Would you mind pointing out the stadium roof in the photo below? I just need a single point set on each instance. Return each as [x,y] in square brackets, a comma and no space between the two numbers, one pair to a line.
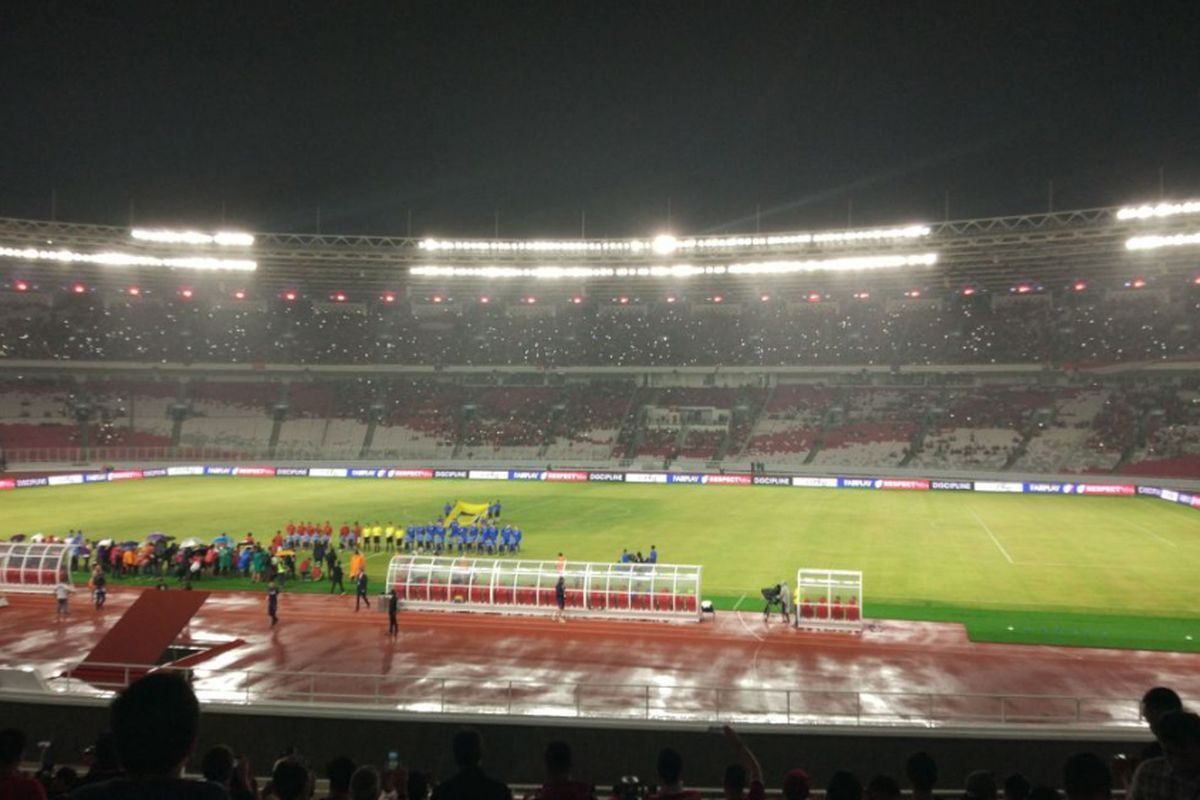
[1104,245]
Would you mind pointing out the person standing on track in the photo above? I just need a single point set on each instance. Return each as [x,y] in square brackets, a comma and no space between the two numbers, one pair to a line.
[560,597]
[273,603]
[393,608]
[99,587]
[360,595]
[62,594]
[335,578]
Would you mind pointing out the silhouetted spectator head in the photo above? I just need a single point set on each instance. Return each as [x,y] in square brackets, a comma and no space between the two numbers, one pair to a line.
[1016,787]
[1086,777]
[339,771]
[883,787]
[290,779]
[154,723]
[1179,733]
[1158,701]
[669,766]
[417,786]
[557,759]
[468,749]
[12,746]
[217,765]
[843,786]
[921,771]
[64,781]
[364,784]
[796,785]
[981,785]
[734,782]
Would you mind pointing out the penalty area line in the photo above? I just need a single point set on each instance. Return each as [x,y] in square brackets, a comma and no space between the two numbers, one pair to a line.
[739,602]
[995,541]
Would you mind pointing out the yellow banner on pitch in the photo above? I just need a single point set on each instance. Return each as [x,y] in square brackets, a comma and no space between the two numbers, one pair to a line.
[470,511]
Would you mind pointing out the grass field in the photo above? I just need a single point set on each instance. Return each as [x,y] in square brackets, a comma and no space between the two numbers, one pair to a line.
[1097,571]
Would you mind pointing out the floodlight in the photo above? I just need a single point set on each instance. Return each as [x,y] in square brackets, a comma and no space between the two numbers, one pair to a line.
[1159,211]
[222,238]
[1156,242]
[128,260]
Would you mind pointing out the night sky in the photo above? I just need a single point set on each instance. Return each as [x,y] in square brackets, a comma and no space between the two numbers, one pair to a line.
[450,111]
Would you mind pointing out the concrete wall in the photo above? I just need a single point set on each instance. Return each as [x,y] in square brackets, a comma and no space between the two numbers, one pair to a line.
[602,753]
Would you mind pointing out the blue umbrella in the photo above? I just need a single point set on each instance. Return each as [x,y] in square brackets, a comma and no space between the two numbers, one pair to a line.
[222,539]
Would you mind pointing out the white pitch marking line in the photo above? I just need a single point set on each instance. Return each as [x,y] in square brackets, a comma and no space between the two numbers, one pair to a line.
[747,627]
[994,539]
[1162,539]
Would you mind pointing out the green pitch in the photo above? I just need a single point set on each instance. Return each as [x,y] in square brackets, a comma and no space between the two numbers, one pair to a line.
[1096,571]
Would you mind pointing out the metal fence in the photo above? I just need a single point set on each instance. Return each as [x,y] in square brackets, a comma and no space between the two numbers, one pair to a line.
[639,702]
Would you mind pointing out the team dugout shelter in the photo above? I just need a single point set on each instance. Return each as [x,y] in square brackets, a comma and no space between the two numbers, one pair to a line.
[667,592]
[33,567]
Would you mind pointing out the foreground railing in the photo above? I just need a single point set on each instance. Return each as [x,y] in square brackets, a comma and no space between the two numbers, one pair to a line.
[613,701]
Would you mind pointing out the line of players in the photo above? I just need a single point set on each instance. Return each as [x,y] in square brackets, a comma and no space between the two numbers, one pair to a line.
[487,537]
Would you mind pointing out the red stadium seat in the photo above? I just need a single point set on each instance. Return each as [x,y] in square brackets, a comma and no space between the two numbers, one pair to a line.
[597,600]
[691,602]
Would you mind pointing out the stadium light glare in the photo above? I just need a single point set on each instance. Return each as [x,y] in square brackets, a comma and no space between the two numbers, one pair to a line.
[485,300]
[814,297]
[437,298]
[204,263]
[388,297]
[134,291]
[21,286]
[239,295]
[664,244]
[718,298]
[862,295]
[1079,286]
[1136,283]
[290,296]
[671,298]
[79,288]
[339,297]
[186,293]
[577,300]
[766,298]
[1159,211]
[165,236]
[846,264]
[1158,242]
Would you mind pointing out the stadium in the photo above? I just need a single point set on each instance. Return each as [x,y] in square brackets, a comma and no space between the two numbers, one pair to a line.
[992,423]
[755,446]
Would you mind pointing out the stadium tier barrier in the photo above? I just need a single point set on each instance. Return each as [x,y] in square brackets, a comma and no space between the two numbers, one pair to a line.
[33,567]
[657,591]
[1102,489]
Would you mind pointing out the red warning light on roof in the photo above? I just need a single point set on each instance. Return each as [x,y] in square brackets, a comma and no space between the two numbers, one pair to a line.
[577,300]
[913,293]
[766,298]
[623,300]
[79,288]
[186,293]
[239,295]
[339,297]
[862,295]
[389,297]
[289,296]
[135,291]
[530,300]
[21,286]
[485,300]
[718,298]
[1078,286]
[814,297]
